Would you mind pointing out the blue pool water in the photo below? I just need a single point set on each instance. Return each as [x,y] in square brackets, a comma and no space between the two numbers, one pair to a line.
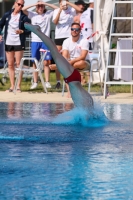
[51,152]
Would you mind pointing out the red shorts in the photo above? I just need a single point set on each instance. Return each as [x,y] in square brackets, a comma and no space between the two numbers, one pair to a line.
[75,76]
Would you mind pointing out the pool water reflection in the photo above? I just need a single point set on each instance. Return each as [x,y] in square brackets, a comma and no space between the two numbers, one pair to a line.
[42,160]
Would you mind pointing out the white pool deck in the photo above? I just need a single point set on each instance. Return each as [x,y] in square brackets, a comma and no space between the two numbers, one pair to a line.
[56,97]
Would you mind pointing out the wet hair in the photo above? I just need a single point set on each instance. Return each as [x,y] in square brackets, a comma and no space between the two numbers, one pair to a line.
[75,23]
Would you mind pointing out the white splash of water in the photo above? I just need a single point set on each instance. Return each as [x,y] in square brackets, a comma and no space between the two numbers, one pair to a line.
[93,118]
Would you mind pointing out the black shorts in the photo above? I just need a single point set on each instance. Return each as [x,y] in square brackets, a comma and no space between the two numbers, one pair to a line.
[14,48]
[90,46]
[59,41]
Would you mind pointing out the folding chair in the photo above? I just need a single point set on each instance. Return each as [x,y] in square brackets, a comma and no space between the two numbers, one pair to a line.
[39,67]
[95,62]
[4,71]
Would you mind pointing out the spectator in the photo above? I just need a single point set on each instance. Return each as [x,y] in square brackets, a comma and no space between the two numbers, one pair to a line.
[86,22]
[75,49]
[14,36]
[63,18]
[81,5]
[41,18]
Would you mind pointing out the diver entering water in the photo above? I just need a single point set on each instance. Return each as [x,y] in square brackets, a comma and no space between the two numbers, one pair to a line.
[81,97]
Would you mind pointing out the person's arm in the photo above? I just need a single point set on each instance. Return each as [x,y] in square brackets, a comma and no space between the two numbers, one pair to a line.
[65,49]
[65,54]
[81,57]
[26,20]
[56,20]
[27,7]
[77,19]
[74,6]
[22,29]
[50,5]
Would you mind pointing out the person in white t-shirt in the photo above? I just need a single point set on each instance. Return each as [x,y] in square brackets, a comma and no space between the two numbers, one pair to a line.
[86,22]
[42,18]
[75,49]
[81,4]
[63,18]
[14,37]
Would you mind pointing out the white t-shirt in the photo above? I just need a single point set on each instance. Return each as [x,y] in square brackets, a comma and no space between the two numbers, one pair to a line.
[86,25]
[41,20]
[12,37]
[62,29]
[75,48]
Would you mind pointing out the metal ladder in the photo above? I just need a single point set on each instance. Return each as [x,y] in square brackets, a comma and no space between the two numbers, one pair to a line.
[110,50]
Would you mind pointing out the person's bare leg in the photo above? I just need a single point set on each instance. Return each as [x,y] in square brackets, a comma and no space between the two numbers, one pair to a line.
[68,91]
[81,65]
[47,70]
[88,75]
[83,81]
[18,56]
[11,69]
[57,71]
[57,75]
[35,74]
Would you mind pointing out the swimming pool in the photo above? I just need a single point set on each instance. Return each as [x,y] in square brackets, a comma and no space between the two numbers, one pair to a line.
[42,157]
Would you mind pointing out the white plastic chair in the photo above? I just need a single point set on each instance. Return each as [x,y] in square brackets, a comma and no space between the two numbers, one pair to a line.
[95,62]
[27,54]
[39,67]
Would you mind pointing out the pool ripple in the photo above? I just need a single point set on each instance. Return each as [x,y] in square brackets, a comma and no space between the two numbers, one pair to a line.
[42,160]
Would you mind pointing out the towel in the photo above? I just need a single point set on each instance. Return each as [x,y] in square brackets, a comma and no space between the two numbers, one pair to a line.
[123,58]
[95,79]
